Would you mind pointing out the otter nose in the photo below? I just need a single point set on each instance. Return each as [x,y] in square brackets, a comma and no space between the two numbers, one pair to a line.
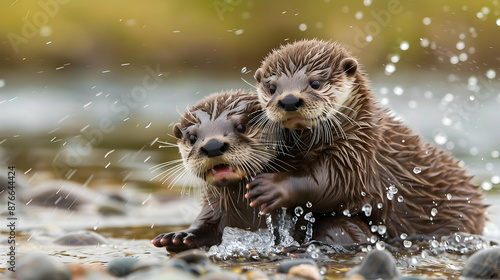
[290,103]
[214,148]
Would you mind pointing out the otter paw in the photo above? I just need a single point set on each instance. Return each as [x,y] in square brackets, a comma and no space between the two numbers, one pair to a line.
[174,241]
[266,193]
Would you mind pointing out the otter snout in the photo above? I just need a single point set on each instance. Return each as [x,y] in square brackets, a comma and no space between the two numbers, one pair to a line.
[290,103]
[214,148]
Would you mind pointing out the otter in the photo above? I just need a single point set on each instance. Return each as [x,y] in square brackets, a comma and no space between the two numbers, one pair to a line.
[221,144]
[353,158]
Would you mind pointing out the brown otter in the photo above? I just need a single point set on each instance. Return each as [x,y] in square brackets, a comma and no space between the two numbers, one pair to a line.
[352,154]
[220,144]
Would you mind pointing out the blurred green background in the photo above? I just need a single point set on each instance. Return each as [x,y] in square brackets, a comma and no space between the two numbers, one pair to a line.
[68,65]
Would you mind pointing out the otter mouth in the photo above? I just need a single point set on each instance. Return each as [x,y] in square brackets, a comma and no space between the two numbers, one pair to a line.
[297,123]
[223,172]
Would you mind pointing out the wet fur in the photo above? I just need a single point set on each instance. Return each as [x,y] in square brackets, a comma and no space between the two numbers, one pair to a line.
[223,204]
[351,146]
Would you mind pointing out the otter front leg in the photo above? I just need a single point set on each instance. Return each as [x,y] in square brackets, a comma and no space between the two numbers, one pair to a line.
[194,237]
[272,191]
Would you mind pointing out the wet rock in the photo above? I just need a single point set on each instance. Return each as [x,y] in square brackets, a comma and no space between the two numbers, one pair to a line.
[193,256]
[111,209]
[91,272]
[221,275]
[38,267]
[122,267]
[304,271]
[256,275]
[484,264]
[285,266]
[377,264]
[81,238]
[162,273]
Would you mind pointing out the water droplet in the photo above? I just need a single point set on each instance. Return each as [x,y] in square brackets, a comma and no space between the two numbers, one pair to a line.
[424,42]
[382,229]
[334,213]
[434,212]
[373,239]
[312,220]
[460,45]
[346,213]
[495,179]
[403,236]
[404,46]
[427,20]
[364,194]
[369,38]
[398,91]
[395,58]
[417,170]
[498,21]
[491,74]
[454,59]
[400,198]
[309,204]
[374,228]
[295,219]
[380,205]
[303,27]
[299,211]
[380,245]
[407,243]
[441,138]
[448,196]
[243,70]
[303,227]
[239,31]
[358,15]
[495,154]
[435,244]
[308,216]
[390,68]
[367,208]
[486,185]
[367,2]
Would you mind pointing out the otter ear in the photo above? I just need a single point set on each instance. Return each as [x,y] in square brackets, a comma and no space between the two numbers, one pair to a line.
[349,65]
[258,75]
[177,131]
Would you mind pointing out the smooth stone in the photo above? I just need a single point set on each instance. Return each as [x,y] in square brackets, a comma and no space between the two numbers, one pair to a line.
[285,266]
[377,264]
[162,273]
[81,238]
[256,275]
[304,271]
[484,264]
[122,267]
[38,267]
[193,256]
[221,275]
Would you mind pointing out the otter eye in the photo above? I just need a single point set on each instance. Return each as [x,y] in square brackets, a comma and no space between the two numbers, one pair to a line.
[192,139]
[241,128]
[315,84]
[272,89]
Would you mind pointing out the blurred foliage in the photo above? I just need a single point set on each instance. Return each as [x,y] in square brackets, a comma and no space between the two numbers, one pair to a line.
[218,36]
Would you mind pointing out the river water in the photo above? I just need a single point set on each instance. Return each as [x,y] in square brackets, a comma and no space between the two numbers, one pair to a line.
[42,127]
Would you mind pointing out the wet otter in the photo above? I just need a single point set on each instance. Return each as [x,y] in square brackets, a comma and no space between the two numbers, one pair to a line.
[353,157]
[220,144]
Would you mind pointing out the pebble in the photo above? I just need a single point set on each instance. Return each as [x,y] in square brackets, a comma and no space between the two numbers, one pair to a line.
[285,266]
[304,271]
[38,267]
[81,238]
[378,264]
[484,264]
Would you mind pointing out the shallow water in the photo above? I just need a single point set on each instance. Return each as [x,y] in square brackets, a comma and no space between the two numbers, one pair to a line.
[119,165]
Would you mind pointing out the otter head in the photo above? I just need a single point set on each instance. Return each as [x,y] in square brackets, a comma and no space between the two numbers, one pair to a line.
[217,140]
[305,84]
